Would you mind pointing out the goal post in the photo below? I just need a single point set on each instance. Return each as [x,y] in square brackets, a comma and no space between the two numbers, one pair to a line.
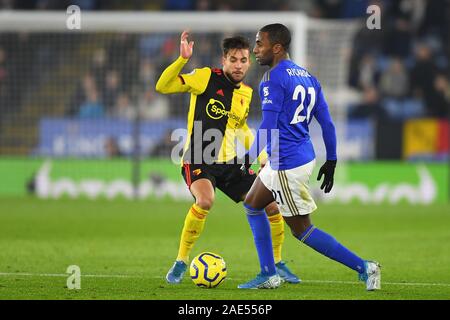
[135,22]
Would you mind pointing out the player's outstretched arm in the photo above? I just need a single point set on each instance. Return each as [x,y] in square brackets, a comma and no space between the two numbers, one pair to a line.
[329,138]
[169,81]
[323,116]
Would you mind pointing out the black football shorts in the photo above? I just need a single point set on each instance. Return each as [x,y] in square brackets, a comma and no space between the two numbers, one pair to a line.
[226,177]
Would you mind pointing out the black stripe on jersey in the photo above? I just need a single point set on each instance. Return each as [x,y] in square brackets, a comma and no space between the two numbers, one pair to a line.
[211,109]
[287,193]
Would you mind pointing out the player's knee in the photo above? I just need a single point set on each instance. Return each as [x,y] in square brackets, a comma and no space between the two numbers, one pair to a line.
[205,203]
[272,209]
[247,202]
[298,224]
[297,230]
[296,233]
[251,200]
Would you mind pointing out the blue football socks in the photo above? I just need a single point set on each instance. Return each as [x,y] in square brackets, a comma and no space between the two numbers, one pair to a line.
[259,223]
[327,245]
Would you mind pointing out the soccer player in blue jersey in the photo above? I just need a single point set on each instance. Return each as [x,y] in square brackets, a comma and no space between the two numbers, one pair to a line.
[290,98]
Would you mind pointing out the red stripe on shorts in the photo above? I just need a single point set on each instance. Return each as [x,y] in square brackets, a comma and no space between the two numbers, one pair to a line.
[187,172]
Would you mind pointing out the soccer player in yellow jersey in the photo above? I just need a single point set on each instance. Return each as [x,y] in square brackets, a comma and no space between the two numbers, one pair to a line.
[220,102]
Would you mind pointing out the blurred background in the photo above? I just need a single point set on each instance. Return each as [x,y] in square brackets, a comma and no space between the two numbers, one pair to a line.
[79,115]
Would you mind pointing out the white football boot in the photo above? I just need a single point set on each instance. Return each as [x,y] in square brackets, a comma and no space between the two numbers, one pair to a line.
[371,275]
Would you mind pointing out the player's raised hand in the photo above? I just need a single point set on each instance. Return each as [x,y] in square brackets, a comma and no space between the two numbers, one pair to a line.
[185,45]
[327,170]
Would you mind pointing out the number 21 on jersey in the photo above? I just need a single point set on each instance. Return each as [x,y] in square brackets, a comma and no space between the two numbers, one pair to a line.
[300,90]
[277,196]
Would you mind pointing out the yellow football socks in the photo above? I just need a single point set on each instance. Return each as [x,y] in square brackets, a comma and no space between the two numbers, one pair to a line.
[277,230]
[193,227]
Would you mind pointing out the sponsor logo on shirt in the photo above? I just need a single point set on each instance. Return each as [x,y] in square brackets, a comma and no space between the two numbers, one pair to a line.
[216,110]
[267,101]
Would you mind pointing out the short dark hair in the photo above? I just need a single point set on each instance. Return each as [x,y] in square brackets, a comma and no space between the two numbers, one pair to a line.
[236,42]
[278,33]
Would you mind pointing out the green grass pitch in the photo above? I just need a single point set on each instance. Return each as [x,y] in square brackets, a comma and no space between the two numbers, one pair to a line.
[124,249]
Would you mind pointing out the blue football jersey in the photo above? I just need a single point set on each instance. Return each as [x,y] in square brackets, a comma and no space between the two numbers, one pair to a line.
[296,96]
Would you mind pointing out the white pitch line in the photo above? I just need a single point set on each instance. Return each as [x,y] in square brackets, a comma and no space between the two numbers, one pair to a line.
[390,283]
[21,274]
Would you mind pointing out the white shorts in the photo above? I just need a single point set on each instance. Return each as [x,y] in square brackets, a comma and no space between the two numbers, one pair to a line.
[290,188]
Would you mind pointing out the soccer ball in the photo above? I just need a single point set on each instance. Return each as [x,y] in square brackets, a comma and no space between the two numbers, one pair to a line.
[208,270]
